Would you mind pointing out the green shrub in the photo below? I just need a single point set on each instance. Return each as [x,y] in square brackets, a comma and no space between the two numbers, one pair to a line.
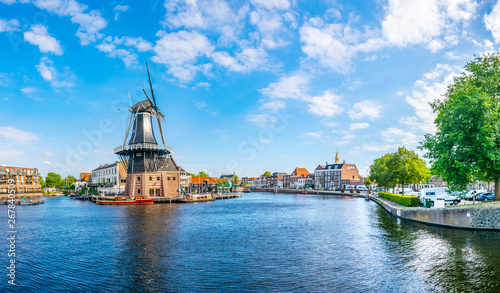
[406,200]
[342,190]
[357,191]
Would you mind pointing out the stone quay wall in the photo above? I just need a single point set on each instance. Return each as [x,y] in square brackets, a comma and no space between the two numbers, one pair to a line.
[464,217]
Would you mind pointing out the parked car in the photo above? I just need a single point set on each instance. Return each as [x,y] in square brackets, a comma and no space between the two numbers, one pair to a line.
[438,193]
[486,196]
[471,193]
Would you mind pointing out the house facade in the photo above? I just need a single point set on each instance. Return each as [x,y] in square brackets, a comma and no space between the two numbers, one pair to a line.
[25,180]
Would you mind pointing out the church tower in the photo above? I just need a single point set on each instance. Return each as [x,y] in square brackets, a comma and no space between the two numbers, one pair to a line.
[337,158]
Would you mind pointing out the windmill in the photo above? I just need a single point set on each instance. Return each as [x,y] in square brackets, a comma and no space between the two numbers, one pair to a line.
[140,153]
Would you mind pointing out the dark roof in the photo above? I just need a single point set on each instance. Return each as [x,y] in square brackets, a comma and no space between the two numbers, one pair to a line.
[168,164]
[230,176]
[330,167]
[105,166]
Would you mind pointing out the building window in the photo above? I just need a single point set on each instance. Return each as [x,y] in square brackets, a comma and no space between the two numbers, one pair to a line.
[173,178]
[138,178]
[150,178]
[168,178]
[158,178]
[138,191]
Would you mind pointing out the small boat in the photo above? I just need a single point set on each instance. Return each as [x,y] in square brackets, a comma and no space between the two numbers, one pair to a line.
[196,198]
[72,195]
[128,200]
[81,197]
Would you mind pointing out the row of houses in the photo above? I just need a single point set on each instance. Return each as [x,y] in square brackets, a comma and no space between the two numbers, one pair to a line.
[112,179]
[327,176]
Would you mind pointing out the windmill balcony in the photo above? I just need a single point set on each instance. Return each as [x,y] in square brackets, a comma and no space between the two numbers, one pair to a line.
[142,147]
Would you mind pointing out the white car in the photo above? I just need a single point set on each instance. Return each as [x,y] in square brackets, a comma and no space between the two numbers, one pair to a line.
[438,193]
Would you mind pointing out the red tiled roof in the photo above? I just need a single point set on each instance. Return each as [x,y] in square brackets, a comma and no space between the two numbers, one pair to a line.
[300,172]
[197,180]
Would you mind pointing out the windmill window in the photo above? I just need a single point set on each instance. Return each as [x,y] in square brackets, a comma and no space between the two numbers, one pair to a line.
[138,191]
[150,178]
[138,178]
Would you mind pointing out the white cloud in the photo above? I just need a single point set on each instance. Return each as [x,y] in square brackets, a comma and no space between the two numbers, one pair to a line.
[492,22]
[47,71]
[356,126]
[314,134]
[47,162]
[365,108]
[16,135]
[38,36]
[272,4]
[28,90]
[273,105]
[9,25]
[50,74]
[127,55]
[248,59]
[262,120]
[432,86]
[120,8]
[180,51]
[409,22]
[91,23]
[325,105]
[294,86]
[329,44]
[400,137]
[201,14]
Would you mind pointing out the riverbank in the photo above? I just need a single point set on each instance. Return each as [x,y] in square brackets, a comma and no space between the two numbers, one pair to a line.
[470,217]
[306,191]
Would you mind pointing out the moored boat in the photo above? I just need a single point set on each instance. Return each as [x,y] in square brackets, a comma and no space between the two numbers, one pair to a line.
[127,200]
[190,198]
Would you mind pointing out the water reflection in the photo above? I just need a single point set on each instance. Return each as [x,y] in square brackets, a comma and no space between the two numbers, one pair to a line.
[447,259]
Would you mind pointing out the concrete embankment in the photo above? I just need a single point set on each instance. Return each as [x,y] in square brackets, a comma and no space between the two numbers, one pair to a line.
[303,191]
[483,217]
[306,191]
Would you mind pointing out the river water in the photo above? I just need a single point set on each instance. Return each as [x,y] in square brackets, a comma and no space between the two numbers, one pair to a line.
[259,243]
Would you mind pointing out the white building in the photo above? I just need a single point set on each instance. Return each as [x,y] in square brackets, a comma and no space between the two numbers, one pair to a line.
[109,178]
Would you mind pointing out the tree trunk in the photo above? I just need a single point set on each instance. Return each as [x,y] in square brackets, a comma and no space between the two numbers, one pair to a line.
[497,188]
[403,188]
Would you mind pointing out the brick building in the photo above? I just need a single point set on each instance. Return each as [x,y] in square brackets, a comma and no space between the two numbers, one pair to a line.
[26,180]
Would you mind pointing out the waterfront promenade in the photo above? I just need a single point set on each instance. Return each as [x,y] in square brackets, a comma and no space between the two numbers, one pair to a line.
[473,217]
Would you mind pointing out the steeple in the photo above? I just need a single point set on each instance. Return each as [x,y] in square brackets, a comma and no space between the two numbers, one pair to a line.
[337,158]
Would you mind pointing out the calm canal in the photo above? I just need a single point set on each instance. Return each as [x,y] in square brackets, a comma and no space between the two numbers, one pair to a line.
[261,242]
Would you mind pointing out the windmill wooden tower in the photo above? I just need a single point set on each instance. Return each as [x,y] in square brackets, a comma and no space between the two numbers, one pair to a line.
[151,170]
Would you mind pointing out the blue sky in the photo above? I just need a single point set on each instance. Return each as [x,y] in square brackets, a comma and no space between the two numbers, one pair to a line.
[245,86]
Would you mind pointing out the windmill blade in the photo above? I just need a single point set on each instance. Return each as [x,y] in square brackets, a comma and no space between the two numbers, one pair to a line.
[130,99]
[160,113]
[151,85]
[161,130]
[147,96]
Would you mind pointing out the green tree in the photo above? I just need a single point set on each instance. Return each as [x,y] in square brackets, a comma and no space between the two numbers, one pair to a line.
[52,179]
[407,167]
[368,181]
[267,173]
[203,174]
[381,172]
[42,182]
[466,145]
[192,174]
[236,180]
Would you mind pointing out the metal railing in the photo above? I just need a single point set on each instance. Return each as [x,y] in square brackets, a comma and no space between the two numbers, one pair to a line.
[143,146]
